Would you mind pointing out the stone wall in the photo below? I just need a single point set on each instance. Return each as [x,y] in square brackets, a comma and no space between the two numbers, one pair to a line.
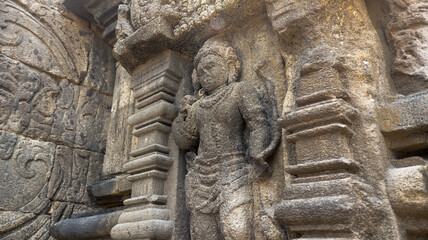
[56,86]
[89,140]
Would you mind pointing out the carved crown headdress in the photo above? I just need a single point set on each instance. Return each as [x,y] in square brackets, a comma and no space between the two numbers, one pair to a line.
[219,46]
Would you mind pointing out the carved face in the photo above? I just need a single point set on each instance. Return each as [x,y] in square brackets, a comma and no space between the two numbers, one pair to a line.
[212,72]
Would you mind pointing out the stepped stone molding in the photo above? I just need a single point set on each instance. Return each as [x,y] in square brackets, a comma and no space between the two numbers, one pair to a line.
[331,194]
[155,86]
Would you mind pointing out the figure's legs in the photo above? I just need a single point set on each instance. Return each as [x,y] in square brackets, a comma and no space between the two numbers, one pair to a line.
[236,218]
[204,227]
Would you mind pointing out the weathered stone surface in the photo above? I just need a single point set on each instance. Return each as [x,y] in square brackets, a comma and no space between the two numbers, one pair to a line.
[101,69]
[29,99]
[213,121]
[55,80]
[155,87]
[26,164]
[119,132]
[173,24]
[18,225]
[25,167]
[111,191]
[404,122]
[37,106]
[97,226]
[408,29]
[352,163]
[48,32]
[73,170]
[334,62]
[92,118]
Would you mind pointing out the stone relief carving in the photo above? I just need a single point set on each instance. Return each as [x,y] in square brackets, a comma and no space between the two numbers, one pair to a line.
[143,11]
[409,33]
[7,145]
[228,135]
[24,159]
[56,81]
[72,171]
[37,106]
[28,100]
[124,26]
[7,40]
[181,16]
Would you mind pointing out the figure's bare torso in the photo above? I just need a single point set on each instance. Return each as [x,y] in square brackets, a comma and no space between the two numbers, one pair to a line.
[220,123]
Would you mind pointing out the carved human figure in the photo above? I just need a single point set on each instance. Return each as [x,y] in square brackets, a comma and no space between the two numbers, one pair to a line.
[227,132]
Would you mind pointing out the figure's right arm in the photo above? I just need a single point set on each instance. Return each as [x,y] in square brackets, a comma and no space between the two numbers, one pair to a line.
[184,127]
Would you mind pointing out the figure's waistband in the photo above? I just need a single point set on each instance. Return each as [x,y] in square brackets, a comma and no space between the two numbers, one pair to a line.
[227,159]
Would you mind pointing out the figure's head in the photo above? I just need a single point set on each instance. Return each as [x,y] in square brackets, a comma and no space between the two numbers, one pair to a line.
[216,64]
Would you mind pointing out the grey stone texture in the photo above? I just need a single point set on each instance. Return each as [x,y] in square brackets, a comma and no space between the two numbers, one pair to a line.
[56,86]
[119,132]
[225,119]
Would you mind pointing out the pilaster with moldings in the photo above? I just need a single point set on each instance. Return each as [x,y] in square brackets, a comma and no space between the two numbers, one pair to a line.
[155,85]
[327,196]
[337,155]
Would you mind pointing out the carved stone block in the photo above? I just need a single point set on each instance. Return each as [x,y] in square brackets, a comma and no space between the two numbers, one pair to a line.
[119,132]
[101,69]
[29,100]
[92,118]
[321,147]
[404,122]
[26,165]
[73,170]
[48,32]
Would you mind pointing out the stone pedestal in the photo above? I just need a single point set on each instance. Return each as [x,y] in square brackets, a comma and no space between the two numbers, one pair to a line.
[155,85]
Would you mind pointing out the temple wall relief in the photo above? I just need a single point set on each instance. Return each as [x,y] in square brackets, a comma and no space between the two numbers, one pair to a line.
[221,119]
[56,85]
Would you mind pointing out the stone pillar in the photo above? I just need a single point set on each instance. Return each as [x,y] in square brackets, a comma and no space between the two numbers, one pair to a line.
[326,196]
[337,156]
[155,85]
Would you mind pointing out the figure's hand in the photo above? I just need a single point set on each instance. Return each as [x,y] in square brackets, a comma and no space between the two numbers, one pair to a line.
[186,103]
[261,167]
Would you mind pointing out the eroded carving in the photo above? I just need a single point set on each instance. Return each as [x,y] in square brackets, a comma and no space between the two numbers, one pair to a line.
[409,32]
[180,16]
[7,145]
[124,26]
[28,100]
[5,39]
[229,135]
[26,159]
[72,171]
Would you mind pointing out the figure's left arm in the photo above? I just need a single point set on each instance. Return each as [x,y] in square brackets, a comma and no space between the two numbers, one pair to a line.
[256,121]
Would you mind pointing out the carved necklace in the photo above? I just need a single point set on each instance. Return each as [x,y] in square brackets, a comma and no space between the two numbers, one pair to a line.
[211,100]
